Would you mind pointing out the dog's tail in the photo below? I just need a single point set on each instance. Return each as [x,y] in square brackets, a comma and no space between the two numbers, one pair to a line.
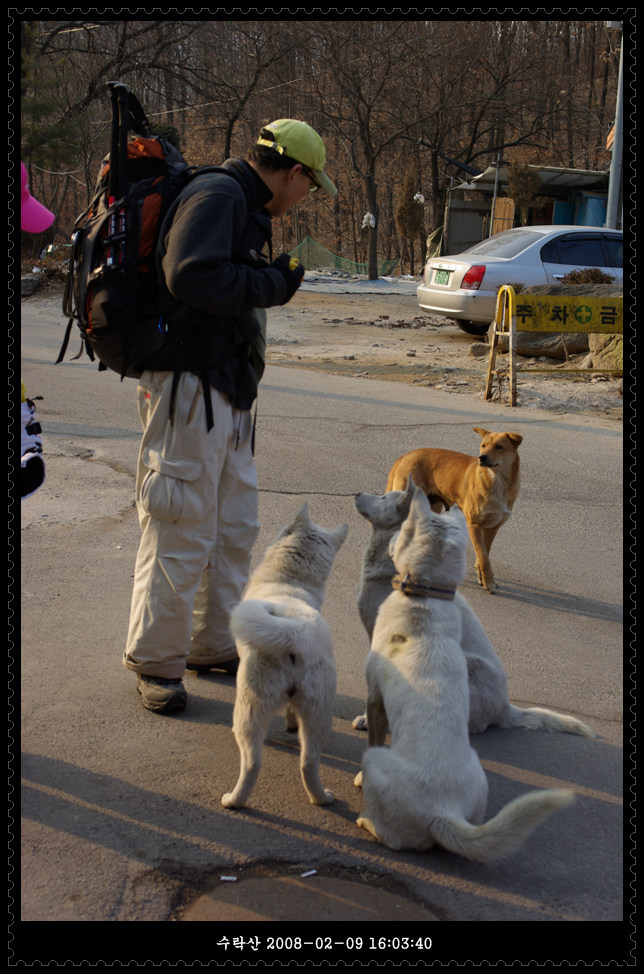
[504,833]
[271,627]
[537,718]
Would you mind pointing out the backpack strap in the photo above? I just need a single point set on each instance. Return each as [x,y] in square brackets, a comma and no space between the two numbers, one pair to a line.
[253,434]
[85,345]
[205,383]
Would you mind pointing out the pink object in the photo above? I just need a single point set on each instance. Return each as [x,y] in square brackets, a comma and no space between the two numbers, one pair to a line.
[34,217]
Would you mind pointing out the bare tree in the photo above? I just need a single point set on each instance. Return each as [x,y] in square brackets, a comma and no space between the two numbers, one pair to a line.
[360,87]
[65,112]
[409,212]
[455,92]
[231,63]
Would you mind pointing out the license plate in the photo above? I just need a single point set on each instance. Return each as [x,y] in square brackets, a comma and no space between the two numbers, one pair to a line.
[441,277]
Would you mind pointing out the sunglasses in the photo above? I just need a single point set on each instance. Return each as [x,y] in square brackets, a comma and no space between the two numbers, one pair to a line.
[314,183]
[266,139]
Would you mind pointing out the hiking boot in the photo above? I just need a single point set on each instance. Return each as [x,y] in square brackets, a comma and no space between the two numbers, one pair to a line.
[160,695]
[228,666]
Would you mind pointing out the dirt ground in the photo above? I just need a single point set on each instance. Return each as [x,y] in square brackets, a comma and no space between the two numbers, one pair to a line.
[388,337]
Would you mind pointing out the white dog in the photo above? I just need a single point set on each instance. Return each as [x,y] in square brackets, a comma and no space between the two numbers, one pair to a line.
[488,683]
[429,787]
[286,653]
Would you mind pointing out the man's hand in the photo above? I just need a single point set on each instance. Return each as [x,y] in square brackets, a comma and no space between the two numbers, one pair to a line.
[292,271]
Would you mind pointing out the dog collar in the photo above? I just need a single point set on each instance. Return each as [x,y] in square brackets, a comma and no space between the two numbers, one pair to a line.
[421,588]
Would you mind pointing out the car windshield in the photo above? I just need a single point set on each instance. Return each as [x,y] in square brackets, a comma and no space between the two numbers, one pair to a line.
[508,243]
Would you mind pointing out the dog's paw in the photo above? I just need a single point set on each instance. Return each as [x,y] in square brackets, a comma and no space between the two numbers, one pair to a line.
[360,723]
[486,581]
[358,780]
[365,823]
[228,801]
[326,800]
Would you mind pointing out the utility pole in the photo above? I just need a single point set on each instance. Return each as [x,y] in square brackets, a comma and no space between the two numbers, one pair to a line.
[613,214]
[496,188]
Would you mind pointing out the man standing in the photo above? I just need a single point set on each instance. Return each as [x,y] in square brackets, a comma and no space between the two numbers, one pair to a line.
[196,487]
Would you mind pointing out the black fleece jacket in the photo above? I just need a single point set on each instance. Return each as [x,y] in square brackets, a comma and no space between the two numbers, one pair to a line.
[214,257]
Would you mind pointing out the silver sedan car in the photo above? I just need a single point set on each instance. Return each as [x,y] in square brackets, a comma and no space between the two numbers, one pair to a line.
[464,286]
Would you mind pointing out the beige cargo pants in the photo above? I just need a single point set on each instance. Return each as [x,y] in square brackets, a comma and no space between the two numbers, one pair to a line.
[196,496]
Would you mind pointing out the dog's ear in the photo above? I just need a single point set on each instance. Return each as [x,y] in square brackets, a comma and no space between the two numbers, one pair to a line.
[515,438]
[455,514]
[482,433]
[420,503]
[405,500]
[338,535]
[452,526]
[301,519]
[393,541]
[419,510]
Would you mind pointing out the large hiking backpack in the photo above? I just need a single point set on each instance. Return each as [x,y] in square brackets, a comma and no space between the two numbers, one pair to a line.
[111,288]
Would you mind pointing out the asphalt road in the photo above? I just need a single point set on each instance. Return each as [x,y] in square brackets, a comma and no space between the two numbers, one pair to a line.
[121,818]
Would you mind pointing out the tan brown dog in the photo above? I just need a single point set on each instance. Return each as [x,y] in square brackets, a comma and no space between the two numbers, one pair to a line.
[484,487]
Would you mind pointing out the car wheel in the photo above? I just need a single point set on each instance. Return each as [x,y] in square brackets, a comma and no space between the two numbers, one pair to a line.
[472,327]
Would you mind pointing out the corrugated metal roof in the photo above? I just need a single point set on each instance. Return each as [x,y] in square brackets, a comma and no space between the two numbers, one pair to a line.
[552,178]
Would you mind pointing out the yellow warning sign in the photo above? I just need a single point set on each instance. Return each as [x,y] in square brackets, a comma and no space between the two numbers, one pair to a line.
[562,313]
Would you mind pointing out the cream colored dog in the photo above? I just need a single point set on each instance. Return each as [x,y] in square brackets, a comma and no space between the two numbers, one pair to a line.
[286,654]
[488,682]
[428,787]
[484,487]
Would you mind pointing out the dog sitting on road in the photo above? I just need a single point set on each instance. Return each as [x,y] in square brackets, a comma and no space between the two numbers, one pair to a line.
[484,487]
[286,654]
[488,682]
[429,787]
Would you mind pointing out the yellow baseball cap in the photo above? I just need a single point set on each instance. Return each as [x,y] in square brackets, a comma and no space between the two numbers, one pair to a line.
[300,142]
